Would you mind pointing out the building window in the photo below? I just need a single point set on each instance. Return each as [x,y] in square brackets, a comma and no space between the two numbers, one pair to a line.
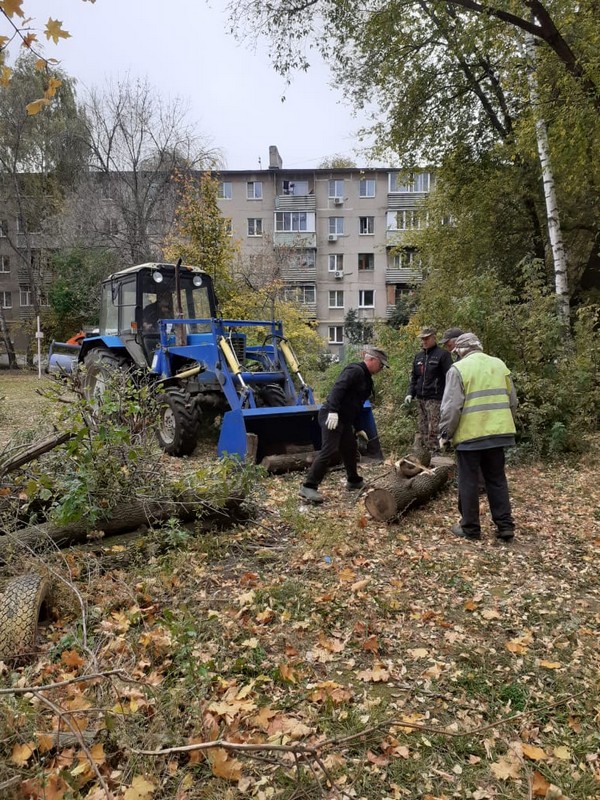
[254,190]
[409,219]
[4,264]
[3,227]
[336,334]
[336,188]
[366,187]
[306,259]
[110,227]
[24,296]
[6,299]
[335,262]
[304,294]
[291,221]
[336,225]
[255,227]
[408,258]
[366,298]
[225,190]
[366,262]
[336,299]
[411,182]
[296,188]
[366,226]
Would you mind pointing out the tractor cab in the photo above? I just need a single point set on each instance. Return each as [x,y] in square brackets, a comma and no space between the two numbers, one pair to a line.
[135,301]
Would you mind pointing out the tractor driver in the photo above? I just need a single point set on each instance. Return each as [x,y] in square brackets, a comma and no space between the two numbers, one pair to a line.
[161,308]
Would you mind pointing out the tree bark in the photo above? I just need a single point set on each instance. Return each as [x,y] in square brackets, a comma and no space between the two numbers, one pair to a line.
[124,518]
[396,494]
[554,229]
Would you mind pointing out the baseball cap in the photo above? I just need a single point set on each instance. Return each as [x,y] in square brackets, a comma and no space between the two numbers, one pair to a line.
[375,352]
[427,331]
[451,333]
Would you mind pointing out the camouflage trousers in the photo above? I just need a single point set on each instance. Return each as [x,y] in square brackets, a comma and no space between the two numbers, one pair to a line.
[429,420]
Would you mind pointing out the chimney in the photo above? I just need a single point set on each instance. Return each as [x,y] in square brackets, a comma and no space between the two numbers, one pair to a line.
[275,161]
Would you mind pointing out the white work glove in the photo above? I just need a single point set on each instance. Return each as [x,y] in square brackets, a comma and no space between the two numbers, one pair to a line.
[332,421]
[408,399]
[442,443]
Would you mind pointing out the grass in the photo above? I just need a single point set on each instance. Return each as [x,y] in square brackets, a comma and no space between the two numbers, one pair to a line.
[317,624]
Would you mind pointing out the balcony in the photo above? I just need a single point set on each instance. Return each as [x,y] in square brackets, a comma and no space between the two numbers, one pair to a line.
[403,275]
[399,200]
[291,202]
[301,239]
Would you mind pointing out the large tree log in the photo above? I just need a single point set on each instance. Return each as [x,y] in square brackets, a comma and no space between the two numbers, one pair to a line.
[126,517]
[395,494]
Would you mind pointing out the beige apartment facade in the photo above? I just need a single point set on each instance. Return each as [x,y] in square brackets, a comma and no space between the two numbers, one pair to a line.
[347,231]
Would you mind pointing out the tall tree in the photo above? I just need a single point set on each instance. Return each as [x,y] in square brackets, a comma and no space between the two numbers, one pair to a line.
[201,235]
[40,156]
[137,142]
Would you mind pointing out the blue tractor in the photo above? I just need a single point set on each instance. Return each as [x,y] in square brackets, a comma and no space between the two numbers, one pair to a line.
[162,320]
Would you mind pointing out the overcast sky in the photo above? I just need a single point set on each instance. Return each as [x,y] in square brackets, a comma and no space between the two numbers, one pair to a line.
[234,95]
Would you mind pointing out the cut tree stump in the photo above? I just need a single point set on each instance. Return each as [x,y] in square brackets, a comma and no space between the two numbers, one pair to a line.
[395,493]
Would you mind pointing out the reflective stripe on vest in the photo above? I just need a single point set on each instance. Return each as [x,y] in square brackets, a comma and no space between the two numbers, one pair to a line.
[486,411]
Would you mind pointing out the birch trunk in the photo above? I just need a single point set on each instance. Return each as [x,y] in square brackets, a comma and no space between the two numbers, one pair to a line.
[554,229]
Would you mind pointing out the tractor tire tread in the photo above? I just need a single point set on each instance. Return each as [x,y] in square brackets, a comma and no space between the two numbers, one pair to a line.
[21,607]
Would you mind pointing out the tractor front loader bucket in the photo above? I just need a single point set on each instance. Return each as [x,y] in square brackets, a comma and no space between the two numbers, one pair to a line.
[251,434]
[254,434]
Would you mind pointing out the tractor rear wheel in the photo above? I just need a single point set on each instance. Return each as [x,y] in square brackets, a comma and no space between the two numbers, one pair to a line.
[100,364]
[272,396]
[178,422]
[22,606]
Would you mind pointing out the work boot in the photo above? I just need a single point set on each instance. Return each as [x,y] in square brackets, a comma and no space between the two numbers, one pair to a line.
[505,534]
[354,485]
[458,530]
[312,495]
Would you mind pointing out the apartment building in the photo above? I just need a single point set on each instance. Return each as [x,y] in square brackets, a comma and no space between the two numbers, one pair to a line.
[347,231]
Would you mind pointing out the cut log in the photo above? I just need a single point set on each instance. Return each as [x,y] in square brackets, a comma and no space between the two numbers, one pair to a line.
[126,517]
[287,462]
[395,494]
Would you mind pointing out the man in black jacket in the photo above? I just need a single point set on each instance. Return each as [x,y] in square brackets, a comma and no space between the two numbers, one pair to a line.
[337,418]
[427,383]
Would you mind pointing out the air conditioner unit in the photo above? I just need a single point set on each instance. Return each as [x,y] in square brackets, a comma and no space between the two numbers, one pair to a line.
[338,201]
[333,237]
[339,273]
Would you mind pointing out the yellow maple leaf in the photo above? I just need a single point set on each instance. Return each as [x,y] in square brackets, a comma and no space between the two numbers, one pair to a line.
[5,76]
[230,769]
[54,30]
[21,753]
[505,769]
[36,106]
[28,40]
[550,664]
[532,752]
[12,8]
[539,785]
[563,753]
[140,789]
[53,85]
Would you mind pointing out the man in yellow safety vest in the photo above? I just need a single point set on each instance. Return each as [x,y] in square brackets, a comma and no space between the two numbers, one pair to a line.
[477,414]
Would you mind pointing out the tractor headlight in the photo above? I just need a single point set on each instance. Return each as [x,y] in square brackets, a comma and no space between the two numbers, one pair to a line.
[197,280]
[157,276]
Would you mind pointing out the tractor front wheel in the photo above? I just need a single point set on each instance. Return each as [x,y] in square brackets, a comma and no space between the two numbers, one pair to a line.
[178,423]
[272,396]
[100,364]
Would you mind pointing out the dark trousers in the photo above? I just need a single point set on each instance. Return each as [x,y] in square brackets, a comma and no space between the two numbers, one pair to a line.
[341,441]
[491,464]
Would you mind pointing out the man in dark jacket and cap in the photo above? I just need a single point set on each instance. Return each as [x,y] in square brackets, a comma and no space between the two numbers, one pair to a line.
[448,340]
[338,417]
[427,382]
